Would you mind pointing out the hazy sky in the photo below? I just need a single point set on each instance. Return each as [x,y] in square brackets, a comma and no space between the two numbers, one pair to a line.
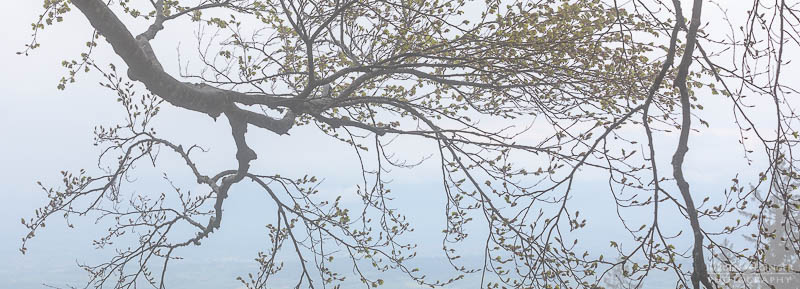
[45,130]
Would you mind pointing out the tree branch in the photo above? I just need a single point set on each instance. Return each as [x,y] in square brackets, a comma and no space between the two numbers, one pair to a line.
[143,66]
[700,274]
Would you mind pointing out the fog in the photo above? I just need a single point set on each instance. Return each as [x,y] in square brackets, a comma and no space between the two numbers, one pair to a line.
[45,130]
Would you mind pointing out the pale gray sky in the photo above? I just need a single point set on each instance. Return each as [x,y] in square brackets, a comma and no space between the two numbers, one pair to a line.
[45,130]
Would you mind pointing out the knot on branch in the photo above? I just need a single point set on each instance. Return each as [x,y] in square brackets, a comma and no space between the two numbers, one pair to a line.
[244,154]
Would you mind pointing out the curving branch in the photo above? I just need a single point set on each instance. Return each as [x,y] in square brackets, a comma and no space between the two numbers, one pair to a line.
[143,66]
[700,273]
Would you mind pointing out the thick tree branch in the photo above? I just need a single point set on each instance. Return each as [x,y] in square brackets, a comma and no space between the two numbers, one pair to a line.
[143,66]
[700,274]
